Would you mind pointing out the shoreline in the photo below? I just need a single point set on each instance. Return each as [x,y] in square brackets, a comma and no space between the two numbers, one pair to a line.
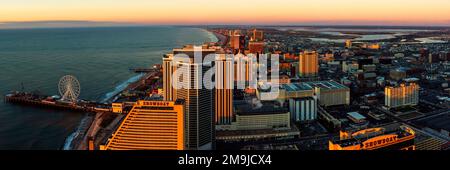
[113,91]
[77,139]
[74,140]
[90,124]
[221,39]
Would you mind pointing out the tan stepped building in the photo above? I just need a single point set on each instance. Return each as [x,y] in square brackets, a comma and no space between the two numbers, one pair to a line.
[151,125]
[430,144]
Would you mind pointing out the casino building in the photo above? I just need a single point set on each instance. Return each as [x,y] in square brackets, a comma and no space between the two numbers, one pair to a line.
[199,105]
[329,93]
[383,138]
[151,125]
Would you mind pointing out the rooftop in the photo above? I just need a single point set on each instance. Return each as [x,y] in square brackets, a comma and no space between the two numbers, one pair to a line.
[244,108]
[303,98]
[296,87]
[385,130]
[326,85]
[356,115]
[437,122]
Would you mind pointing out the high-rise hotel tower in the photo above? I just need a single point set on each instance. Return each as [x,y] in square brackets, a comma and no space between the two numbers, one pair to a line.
[403,95]
[309,64]
[199,101]
[224,89]
[168,69]
[151,125]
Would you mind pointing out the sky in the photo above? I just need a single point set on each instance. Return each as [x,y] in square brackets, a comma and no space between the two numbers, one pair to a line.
[315,12]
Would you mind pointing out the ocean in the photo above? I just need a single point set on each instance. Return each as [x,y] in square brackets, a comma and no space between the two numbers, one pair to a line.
[100,58]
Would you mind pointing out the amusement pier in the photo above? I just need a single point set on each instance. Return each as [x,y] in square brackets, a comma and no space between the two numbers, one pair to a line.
[101,118]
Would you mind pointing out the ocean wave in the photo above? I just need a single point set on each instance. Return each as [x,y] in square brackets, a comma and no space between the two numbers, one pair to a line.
[71,137]
[121,87]
[108,96]
[211,36]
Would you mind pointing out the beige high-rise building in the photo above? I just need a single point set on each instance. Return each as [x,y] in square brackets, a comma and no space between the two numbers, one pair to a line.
[309,64]
[403,95]
[199,106]
[236,40]
[245,68]
[224,90]
[168,69]
[257,35]
[348,43]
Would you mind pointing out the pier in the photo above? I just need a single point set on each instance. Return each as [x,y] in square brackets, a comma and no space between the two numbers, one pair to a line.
[56,102]
[155,68]
[141,70]
[101,122]
[53,102]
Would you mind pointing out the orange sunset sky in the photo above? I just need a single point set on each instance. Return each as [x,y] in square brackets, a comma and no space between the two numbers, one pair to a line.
[389,12]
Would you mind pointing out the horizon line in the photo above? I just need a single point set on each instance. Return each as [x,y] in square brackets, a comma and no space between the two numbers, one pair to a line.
[89,23]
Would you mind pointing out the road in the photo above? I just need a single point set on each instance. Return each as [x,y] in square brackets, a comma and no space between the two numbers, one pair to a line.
[410,124]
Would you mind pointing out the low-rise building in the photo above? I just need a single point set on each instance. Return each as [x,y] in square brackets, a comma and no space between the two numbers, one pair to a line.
[382,138]
[260,116]
[303,109]
[331,93]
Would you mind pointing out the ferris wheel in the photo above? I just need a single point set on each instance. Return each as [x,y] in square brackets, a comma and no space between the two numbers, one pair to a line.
[69,88]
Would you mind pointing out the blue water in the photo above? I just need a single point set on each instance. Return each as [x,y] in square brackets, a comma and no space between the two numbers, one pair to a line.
[98,57]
